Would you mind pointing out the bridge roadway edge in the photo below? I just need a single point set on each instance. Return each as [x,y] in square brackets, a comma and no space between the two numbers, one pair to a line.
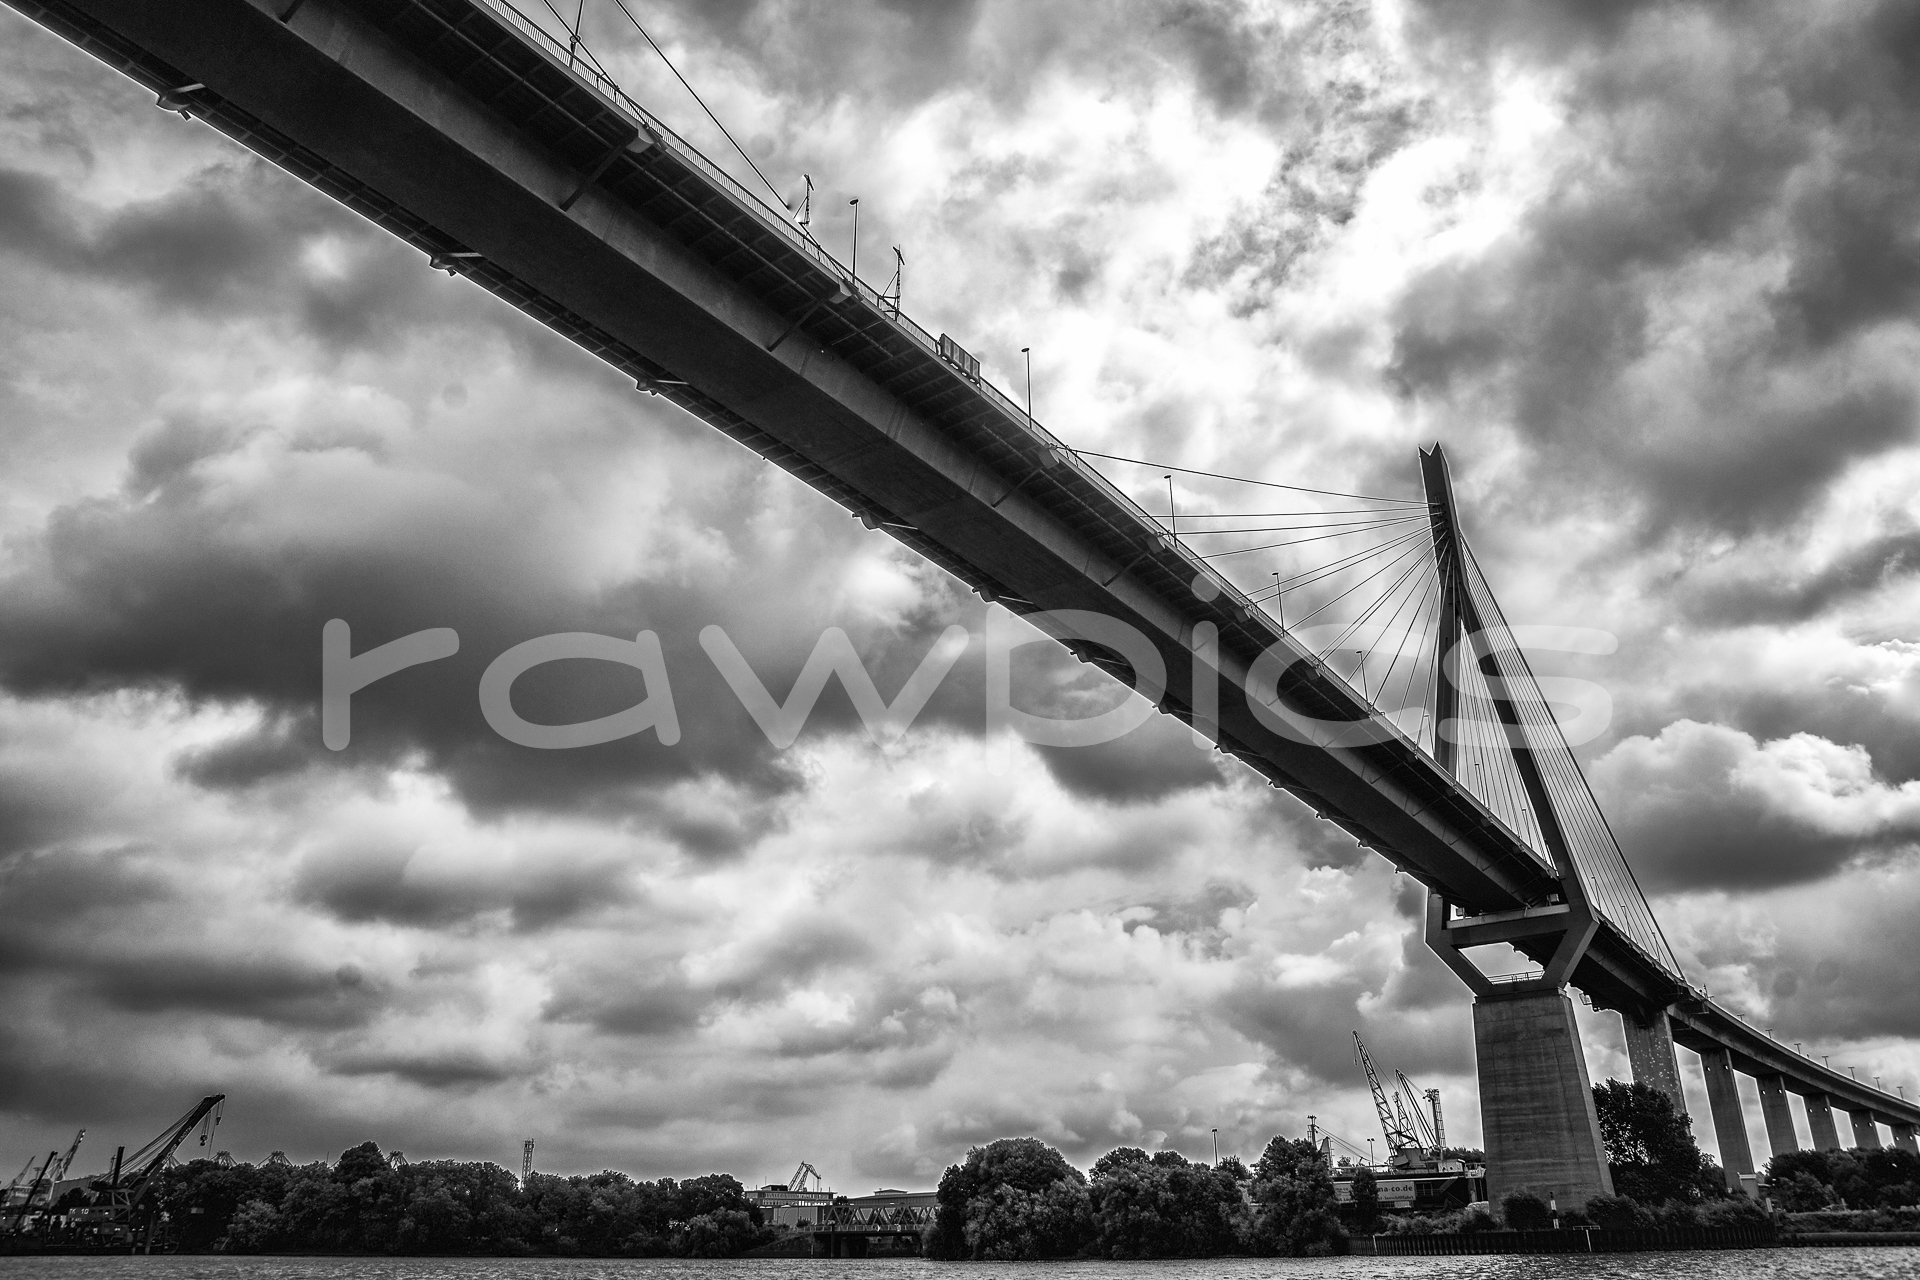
[817,415]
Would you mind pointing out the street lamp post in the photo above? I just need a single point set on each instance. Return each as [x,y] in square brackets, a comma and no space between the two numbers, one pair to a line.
[855,202]
[1028,353]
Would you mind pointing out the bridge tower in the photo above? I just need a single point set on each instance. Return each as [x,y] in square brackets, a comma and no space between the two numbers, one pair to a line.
[1536,1101]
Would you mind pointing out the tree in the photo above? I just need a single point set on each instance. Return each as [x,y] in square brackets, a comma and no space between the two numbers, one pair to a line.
[1366,1200]
[1294,1189]
[1153,1208]
[1118,1157]
[1650,1147]
[1013,1198]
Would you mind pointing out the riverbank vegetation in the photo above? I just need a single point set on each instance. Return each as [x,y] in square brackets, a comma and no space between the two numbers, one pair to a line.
[1013,1199]
[1018,1199]
[364,1204]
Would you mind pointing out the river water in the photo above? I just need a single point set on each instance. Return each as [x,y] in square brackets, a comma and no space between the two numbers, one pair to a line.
[1768,1264]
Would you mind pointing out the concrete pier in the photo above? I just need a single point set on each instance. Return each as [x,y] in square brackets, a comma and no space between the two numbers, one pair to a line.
[1903,1138]
[1536,1102]
[1865,1132]
[1729,1121]
[1826,1136]
[1779,1117]
[1650,1054]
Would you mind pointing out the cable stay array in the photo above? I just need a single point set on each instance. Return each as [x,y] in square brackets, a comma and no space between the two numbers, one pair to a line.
[1385,592]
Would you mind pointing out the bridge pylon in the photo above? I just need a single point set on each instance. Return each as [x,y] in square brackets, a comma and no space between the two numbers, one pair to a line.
[1536,1101]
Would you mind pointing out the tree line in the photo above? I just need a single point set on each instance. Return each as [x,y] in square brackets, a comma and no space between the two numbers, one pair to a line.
[1019,1199]
[1015,1198]
[364,1204]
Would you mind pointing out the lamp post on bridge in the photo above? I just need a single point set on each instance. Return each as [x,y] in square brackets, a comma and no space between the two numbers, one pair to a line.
[1216,1148]
[1028,353]
[855,202]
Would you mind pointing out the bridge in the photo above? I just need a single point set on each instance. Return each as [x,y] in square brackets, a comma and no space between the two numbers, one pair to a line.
[505,155]
[901,1217]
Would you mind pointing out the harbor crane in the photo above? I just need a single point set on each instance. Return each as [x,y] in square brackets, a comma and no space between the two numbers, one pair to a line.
[1403,1148]
[126,1187]
[806,1171]
[1412,1139]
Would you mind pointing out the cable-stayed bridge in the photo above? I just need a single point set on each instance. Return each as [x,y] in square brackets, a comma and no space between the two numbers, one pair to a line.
[1363,665]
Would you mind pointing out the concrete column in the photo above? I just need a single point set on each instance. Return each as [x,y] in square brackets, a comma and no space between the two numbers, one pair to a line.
[1729,1121]
[1536,1104]
[1903,1139]
[1826,1137]
[1865,1133]
[1779,1117]
[1650,1054]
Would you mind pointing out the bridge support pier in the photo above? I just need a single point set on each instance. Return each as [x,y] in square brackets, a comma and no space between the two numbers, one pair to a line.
[1779,1117]
[1650,1054]
[1866,1134]
[1826,1136]
[1903,1138]
[1729,1120]
[1536,1103]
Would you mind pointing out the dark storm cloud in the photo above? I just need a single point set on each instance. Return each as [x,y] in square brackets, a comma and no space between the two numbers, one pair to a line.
[360,882]
[252,987]
[1708,139]
[234,240]
[429,1070]
[1310,1028]
[42,892]
[659,1002]
[95,924]
[1866,568]
[1704,806]
[651,994]
[1153,762]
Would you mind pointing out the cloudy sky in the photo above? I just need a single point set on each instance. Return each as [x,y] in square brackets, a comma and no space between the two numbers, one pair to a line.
[1652,272]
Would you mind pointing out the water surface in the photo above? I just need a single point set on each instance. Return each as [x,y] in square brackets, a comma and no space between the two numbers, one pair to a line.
[1767,1264]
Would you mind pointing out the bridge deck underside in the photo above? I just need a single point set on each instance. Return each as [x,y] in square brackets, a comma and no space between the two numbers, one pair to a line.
[439,122]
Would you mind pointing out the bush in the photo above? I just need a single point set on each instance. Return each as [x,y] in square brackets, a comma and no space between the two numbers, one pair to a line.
[1474,1220]
[1525,1211]
[1735,1211]
[1803,1193]
[1856,1220]
[1618,1213]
